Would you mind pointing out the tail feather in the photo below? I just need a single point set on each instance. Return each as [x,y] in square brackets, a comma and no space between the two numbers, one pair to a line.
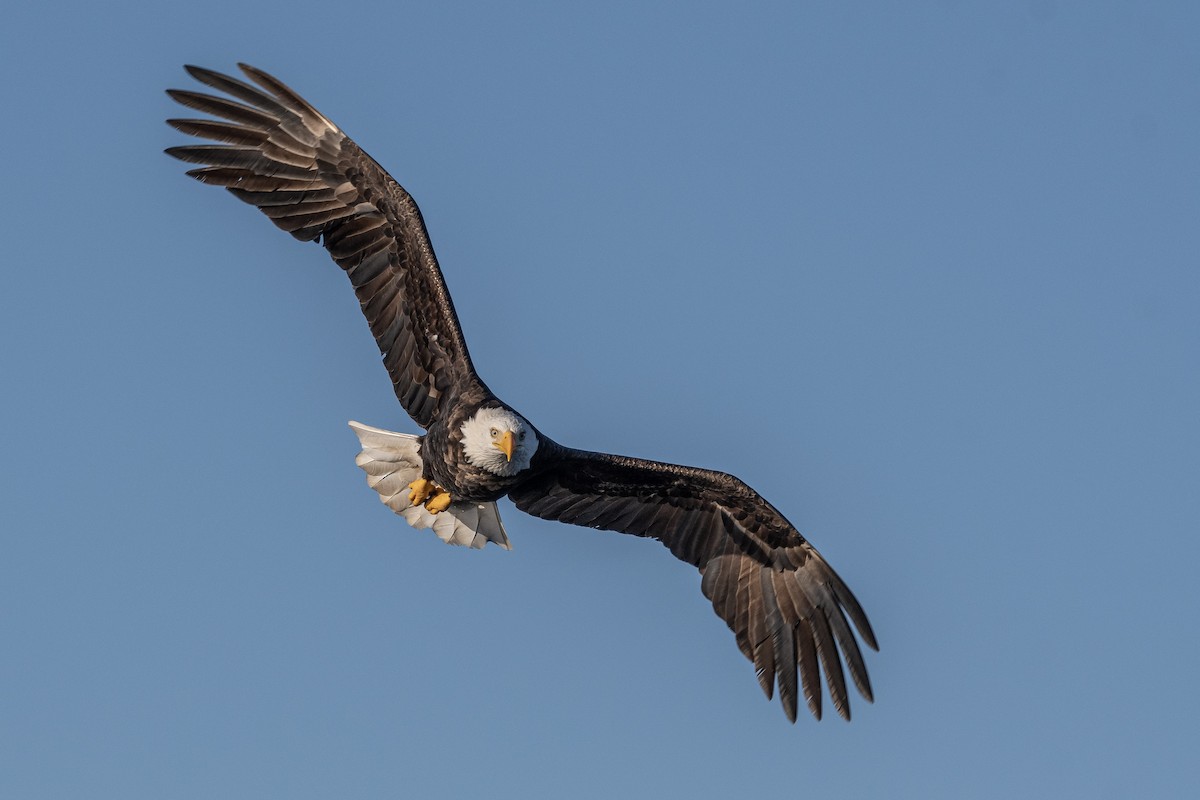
[392,461]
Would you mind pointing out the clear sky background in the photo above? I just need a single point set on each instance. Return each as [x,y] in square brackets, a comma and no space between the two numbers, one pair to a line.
[924,274]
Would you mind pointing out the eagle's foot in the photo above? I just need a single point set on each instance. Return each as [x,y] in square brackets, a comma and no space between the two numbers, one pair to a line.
[439,502]
[427,493]
[420,490]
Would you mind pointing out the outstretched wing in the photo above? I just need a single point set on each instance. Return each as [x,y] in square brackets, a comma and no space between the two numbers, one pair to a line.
[785,604]
[282,155]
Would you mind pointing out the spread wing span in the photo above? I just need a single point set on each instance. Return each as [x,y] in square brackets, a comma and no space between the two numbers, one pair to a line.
[282,155]
[784,603]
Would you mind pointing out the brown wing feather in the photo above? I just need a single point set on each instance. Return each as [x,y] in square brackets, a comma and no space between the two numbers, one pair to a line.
[283,156]
[785,605]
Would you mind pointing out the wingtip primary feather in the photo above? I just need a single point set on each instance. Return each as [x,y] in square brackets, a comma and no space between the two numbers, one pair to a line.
[198,72]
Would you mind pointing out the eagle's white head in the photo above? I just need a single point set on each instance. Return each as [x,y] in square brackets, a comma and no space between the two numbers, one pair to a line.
[499,441]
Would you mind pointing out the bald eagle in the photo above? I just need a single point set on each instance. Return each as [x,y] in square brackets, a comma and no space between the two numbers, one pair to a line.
[786,606]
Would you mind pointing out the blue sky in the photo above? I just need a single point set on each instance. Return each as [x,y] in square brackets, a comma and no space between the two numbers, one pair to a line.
[923,275]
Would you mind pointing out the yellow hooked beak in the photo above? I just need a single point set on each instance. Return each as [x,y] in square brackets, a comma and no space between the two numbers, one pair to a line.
[505,444]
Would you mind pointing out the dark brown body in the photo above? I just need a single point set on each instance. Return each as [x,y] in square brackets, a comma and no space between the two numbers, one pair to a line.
[446,465]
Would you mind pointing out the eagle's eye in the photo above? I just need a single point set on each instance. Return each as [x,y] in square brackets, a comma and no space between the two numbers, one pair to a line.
[495,433]
[521,436]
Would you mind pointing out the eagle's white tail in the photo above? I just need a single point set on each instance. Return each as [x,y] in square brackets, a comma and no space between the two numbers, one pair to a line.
[392,461]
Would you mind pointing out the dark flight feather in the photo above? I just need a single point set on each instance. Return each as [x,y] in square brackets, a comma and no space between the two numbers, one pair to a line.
[780,598]
[299,168]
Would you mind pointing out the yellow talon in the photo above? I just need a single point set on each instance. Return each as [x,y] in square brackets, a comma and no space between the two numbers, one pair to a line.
[438,503]
[435,498]
[420,490]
